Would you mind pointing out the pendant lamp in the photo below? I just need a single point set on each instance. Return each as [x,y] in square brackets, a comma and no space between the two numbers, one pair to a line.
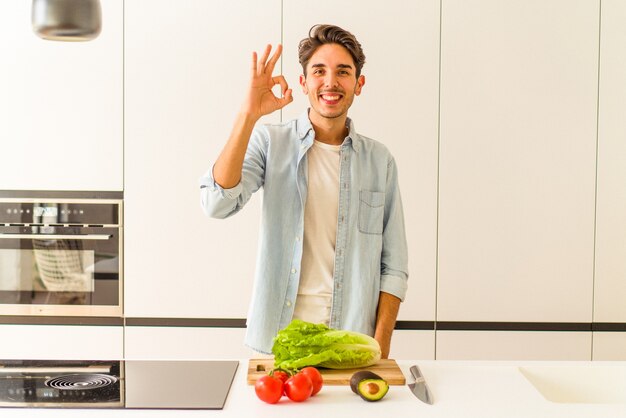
[67,20]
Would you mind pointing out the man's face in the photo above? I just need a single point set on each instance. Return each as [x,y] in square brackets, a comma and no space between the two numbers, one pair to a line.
[331,82]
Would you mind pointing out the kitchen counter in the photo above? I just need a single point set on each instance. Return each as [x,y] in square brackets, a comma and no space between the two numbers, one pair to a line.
[460,388]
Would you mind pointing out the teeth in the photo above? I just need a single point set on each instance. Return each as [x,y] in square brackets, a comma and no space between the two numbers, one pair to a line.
[330,98]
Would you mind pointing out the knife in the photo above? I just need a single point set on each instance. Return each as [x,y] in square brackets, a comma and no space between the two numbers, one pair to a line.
[419,388]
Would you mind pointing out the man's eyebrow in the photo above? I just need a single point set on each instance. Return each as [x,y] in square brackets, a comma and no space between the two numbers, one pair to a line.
[320,65]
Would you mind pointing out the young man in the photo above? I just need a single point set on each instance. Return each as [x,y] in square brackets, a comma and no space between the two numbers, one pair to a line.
[333,246]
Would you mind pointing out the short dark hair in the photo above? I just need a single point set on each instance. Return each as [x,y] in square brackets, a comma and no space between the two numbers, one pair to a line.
[330,34]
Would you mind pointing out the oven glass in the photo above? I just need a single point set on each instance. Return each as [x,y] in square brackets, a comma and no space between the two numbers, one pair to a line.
[56,271]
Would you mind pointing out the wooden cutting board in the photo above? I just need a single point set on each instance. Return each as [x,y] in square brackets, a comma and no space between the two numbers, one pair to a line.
[387,369]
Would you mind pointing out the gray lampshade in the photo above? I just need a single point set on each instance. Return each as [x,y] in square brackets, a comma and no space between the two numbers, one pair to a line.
[67,20]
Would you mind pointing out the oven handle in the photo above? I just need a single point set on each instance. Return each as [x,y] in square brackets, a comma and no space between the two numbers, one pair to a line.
[56,236]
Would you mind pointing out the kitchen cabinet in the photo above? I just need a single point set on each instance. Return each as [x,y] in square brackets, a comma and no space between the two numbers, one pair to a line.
[186,70]
[517,170]
[397,106]
[412,344]
[609,346]
[61,110]
[62,342]
[610,273]
[513,345]
[165,343]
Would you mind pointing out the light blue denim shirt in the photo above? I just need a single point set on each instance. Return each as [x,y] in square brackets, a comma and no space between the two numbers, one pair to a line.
[370,251]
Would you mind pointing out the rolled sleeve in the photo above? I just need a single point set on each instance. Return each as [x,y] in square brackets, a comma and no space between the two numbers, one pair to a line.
[394,285]
[219,202]
[207,181]
[216,201]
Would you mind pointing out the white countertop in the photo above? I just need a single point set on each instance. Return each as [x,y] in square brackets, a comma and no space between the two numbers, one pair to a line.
[460,389]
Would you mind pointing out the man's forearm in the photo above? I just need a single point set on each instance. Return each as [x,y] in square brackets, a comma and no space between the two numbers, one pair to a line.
[227,168]
[388,307]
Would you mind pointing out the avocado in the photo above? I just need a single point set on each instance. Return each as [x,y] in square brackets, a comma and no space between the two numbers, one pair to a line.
[368,385]
[372,389]
[362,375]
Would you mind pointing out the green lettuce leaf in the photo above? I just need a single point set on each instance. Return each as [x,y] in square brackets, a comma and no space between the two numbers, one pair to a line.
[302,344]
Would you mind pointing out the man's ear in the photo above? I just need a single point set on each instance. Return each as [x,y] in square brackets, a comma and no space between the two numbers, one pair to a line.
[360,82]
[305,90]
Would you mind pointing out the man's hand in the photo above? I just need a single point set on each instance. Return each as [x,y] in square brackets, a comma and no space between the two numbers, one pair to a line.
[261,100]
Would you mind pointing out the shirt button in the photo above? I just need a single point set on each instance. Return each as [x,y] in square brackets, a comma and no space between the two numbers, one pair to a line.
[288,303]
[293,270]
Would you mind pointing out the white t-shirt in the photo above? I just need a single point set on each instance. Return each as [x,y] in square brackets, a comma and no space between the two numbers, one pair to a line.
[315,290]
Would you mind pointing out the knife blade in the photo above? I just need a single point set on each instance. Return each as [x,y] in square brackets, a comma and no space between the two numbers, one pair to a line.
[419,388]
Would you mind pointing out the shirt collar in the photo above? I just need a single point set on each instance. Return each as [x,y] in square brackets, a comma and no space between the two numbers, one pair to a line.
[304,127]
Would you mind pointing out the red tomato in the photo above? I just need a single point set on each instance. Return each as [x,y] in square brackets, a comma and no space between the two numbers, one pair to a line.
[316,378]
[280,374]
[269,389]
[299,387]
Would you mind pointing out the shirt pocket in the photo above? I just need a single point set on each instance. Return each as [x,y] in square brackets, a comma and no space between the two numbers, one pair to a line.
[371,211]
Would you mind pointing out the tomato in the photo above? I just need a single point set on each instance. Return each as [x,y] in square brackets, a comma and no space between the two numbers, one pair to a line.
[316,378]
[269,389]
[280,374]
[299,387]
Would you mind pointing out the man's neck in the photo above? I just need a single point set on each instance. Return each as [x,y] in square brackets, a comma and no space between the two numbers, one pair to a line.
[329,130]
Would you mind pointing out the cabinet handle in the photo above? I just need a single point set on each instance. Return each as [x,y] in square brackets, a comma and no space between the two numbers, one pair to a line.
[53,236]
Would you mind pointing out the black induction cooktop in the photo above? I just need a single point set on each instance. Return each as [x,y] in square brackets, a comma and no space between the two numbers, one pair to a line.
[115,384]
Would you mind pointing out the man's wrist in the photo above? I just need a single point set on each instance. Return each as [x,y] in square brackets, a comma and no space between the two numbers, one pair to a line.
[248,117]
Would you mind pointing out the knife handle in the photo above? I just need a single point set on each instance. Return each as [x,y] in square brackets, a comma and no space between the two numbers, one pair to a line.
[415,371]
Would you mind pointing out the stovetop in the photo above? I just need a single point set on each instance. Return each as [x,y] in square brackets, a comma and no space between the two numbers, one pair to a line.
[115,384]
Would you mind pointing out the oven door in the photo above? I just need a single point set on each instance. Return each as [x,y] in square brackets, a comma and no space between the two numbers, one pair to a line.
[60,270]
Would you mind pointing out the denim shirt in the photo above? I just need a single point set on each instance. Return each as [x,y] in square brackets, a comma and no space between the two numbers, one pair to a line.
[370,250]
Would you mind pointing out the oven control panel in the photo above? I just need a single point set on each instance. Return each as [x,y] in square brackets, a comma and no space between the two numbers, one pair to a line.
[63,213]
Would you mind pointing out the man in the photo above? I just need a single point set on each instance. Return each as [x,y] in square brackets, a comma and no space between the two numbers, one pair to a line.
[332,243]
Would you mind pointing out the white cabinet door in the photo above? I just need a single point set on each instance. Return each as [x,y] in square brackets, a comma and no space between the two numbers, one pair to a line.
[513,345]
[160,343]
[517,160]
[61,105]
[610,280]
[187,68]
[62,342]
[397,106]
[412,345]
[609,346]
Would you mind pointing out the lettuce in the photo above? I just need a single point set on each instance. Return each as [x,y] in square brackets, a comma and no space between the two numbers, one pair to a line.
[302,344]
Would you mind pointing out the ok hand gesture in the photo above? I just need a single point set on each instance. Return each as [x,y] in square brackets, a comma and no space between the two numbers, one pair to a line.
[260,99]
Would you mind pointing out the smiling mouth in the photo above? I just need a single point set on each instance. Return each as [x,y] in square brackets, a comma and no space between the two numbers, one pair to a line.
[330,98]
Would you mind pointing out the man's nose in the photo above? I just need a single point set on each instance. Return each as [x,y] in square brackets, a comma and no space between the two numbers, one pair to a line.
[331,80]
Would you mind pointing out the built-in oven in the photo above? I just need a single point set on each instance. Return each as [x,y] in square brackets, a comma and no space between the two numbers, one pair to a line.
[61,257]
